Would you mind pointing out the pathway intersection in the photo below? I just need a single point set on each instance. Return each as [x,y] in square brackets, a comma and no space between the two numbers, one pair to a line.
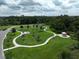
[16,45]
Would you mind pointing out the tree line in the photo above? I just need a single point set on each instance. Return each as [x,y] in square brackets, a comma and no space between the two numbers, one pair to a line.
[69,24]
[58,24]
[20,20]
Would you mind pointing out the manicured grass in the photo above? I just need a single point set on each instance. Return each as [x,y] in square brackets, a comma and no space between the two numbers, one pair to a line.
[30,29]
[49,51]
[31,40]
[4,27]
[8,41]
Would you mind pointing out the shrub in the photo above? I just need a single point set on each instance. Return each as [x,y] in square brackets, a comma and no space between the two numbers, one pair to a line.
[21,26]
[13,30]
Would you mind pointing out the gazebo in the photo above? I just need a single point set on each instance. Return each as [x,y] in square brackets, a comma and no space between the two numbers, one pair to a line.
[64,34]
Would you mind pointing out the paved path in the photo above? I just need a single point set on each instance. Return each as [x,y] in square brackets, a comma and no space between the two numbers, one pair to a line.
[16,45]
[2,37]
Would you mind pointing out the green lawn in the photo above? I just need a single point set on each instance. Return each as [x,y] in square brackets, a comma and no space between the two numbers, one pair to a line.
[4,27]
[49,51]
[8,42]
[31,40]
[30,29]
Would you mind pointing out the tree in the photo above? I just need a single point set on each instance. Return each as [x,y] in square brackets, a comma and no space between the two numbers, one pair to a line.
[13,30]
[28,26]
[76,46]
[37,25]
[58,25]
[41,28]
[33,26]
[76,35]
[9,55]
[37,37]
[21,26]
[65,55]
[75,26]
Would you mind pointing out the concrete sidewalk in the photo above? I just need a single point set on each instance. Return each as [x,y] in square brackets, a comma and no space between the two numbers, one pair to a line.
[2,37]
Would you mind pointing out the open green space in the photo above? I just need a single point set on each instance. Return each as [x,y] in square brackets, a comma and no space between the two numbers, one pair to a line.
[57,47]
[4,27]
[36,36]
[31,39]
[8,41]
[30,28]
[50,51]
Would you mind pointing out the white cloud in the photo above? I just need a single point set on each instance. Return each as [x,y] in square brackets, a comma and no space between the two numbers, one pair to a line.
[6,11]
[73,11]
[13,2]
[45,3]
[39,7]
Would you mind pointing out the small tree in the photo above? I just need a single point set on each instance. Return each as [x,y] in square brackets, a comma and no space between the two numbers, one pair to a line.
[66,55]
[13,30]
[21,26]
[76,35]
[33,26]
[28,26]
[9,55]
[36,26]
[76,46]
[37,38]
[41,28]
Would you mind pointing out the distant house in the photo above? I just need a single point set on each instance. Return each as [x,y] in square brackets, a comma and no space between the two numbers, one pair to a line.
[64,34]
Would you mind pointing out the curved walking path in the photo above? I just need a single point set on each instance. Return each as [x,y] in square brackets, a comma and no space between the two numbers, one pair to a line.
[16,45]
[2,37]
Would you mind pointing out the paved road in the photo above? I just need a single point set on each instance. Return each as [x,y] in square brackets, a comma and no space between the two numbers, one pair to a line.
[2,36]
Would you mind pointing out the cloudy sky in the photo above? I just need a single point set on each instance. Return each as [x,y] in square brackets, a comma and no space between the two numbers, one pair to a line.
[39,7]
